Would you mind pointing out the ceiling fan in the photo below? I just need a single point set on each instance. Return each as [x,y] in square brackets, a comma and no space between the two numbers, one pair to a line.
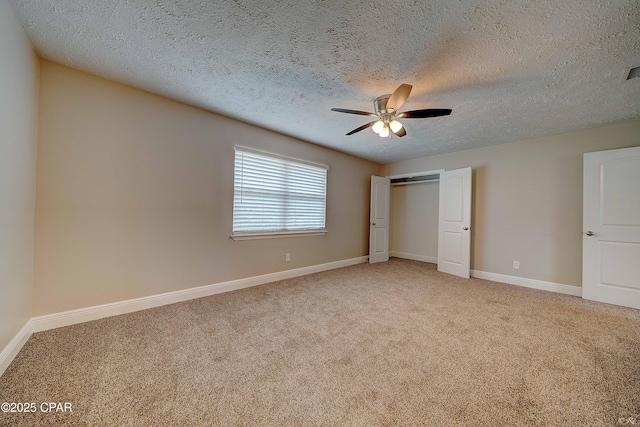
[386,112]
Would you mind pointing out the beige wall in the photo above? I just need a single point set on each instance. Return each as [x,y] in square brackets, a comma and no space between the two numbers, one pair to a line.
[414,220]
[528,200]
[18,136]
[135,196]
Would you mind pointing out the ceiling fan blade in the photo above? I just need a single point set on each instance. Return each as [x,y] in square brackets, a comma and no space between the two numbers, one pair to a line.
[399,97]
[363,127]
[362,113]
[421,114]
[401,132]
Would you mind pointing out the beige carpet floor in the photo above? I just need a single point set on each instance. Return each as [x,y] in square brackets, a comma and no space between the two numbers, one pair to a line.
[389,344]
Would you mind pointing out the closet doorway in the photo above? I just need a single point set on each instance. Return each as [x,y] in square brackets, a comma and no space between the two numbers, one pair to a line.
[427,217]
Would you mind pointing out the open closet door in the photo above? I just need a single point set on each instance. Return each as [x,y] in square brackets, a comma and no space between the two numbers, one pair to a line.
[454,224]
[379,219]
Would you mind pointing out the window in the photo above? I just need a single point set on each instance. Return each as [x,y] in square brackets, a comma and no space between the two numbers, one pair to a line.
[277,196]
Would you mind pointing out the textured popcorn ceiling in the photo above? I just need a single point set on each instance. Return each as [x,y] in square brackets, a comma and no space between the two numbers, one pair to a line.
[510,69]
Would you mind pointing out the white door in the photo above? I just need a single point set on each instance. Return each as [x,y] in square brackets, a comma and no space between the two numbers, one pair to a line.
[379,219]
[454,235]
[611,227]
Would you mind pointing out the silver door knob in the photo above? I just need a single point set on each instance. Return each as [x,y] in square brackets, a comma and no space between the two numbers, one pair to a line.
[465,228]
[589,233]
[373,223]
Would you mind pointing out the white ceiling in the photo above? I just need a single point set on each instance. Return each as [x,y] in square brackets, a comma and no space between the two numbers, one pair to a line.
[509,69]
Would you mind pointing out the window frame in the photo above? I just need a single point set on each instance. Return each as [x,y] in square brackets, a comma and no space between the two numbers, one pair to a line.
[270,234]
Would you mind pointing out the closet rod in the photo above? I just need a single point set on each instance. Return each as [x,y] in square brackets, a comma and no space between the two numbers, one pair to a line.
[398,184]
[416,174]
[415,179]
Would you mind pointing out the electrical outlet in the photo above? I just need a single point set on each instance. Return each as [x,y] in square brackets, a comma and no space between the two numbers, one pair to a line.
[516,264]
[287,257]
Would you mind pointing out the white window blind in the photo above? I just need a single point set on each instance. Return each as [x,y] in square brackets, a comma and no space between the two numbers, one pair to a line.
[277,195]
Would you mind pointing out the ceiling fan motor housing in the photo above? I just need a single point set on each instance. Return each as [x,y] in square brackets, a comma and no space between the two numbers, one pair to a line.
[380,105]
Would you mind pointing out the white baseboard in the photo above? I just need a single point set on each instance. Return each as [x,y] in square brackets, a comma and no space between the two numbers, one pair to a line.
[503,278]
[423,258]
[529,283]
[57,320]
[14,346]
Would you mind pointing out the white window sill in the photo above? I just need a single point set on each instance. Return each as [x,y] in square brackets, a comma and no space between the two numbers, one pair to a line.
[277,234]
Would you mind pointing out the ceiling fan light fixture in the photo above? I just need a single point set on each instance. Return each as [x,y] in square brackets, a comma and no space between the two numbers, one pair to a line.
[395,126]
[377,127]
[384,133]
